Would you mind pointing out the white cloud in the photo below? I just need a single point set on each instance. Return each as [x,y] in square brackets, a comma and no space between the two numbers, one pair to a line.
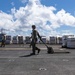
[35,13]
[12,3]
[23,1]
[6,20]
[67,32]
[65,18]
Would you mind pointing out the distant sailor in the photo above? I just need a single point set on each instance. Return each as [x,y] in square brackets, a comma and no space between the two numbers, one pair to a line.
[3,41]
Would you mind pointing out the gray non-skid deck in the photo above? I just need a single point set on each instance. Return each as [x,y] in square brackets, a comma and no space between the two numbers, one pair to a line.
[15,60]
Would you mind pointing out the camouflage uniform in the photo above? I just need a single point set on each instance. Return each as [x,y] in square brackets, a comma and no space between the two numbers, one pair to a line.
[34,36]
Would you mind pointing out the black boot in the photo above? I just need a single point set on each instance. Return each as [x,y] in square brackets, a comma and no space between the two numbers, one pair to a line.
[38,51]
[32,54]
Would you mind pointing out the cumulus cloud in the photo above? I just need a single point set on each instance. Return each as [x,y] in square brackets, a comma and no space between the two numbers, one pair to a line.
[65,18]
[23,1]
[12,3]
[44,17]
[67,32]
[6,20]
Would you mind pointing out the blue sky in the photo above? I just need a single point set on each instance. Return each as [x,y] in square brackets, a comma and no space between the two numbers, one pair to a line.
[68,5]
[52,17]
